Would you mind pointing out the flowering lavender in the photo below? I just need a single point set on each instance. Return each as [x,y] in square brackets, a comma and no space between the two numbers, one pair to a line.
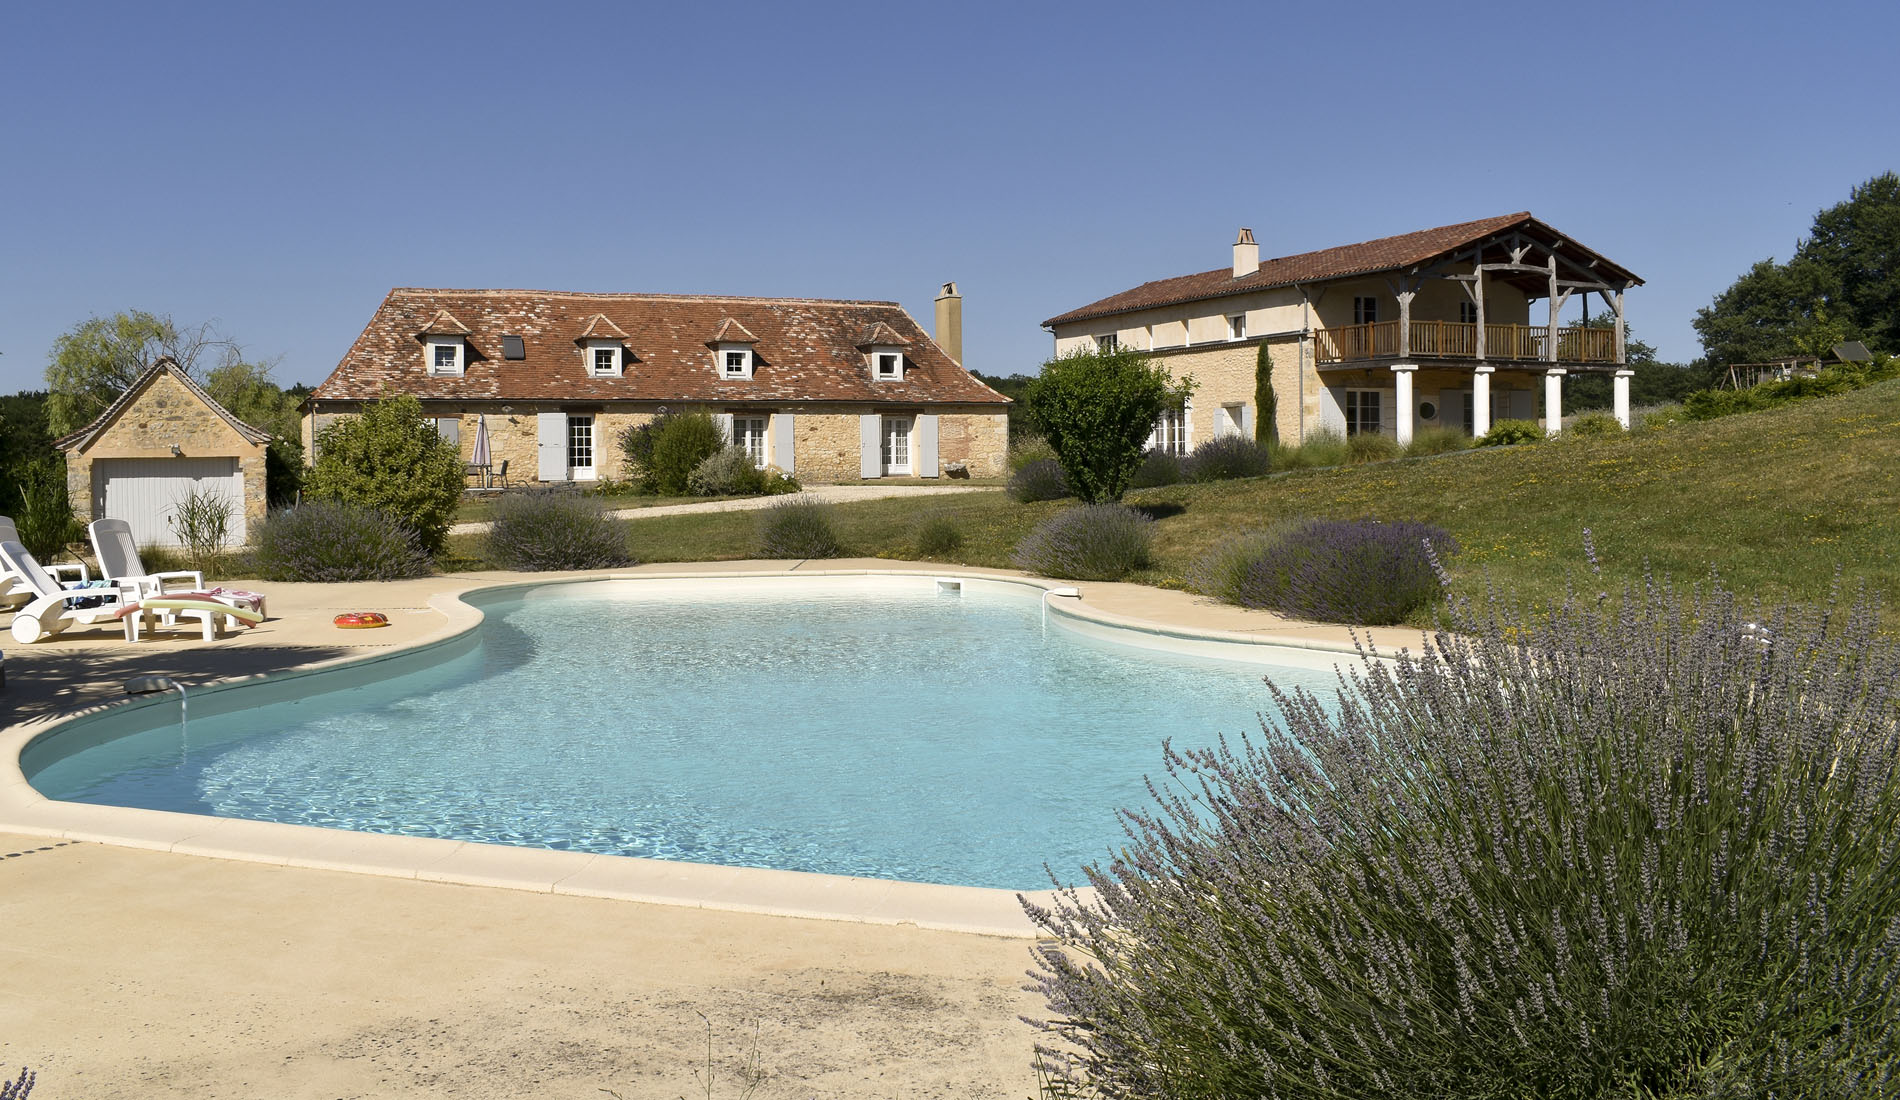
[17,1088]
[1041,479]
[798,528]
[548,529]
[1644,847]
[1090,542]
[1226,457]
[1344,571]
[329,540]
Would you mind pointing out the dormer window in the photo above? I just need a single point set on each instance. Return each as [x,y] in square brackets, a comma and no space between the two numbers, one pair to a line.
[445,355]
[605,358]
[735,362]
[887,364]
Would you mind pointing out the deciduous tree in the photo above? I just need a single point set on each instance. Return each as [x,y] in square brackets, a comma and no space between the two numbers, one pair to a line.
[390,459]
[1097,409]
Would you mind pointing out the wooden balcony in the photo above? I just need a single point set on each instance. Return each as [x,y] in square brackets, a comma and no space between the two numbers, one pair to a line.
[1454,340]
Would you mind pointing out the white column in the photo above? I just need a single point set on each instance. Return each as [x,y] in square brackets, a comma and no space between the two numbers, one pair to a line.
[1554,400]
[1620,397]
[1481,401]
[1402,372]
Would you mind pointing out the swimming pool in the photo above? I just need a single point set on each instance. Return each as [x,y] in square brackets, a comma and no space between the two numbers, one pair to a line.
[887,727]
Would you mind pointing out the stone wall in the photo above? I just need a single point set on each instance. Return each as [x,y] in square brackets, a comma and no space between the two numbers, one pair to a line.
[978,439]
[826,447]
[168,414]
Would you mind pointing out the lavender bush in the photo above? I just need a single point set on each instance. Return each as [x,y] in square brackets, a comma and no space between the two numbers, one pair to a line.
[1157,468]
[1222,571]
[330,540]
[17,1088]
[796,528]
[1041,479]
[1226,458]
[546,529]
[937,535]
[1644,848]
[1091,542]
[1345,571]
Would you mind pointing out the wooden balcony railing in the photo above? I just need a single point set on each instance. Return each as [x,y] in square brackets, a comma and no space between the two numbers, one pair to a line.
[1455,340]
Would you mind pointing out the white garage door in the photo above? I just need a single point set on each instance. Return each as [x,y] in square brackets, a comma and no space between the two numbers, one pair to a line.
[144,491]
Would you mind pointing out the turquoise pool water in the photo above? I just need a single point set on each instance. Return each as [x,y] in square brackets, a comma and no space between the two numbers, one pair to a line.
[887,730]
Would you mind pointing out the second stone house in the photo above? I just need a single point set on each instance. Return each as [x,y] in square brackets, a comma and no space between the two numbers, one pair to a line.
[1457,326]
[825,390]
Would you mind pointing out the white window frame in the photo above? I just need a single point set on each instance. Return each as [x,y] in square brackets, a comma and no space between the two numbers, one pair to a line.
[1232,415]
[753,440]
[576,424]
[616,364]
[1237,326]
[1110,342]
[1170,435]
[742,371]
[897,439]
[433,363]
[1354,408]
[881,356]
[1365,309]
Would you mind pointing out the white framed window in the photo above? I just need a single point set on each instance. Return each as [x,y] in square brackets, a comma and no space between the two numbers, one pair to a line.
[445,355]
[603,360]
[896,444]
[1108,343]
[1237,327]
[748,432]
[1232,420]
[735,361]
[1365,311]
[580,447]
[1363,412]
[1170,435]
[887,364]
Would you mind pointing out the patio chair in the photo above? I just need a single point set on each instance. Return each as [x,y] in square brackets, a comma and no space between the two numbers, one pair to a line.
[13,589]
[119,562]
[499,479]
[52,608]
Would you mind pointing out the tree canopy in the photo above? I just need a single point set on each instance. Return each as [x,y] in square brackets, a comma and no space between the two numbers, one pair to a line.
[1097,409]
[92,365]
[391,459]
[1843,282]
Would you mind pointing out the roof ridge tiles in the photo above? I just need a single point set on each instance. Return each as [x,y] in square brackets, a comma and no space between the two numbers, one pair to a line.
[495,292]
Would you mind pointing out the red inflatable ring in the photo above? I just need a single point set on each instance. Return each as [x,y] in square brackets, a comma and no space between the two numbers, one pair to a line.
[361,620]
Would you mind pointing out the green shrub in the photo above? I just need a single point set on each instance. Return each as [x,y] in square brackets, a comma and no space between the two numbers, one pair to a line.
[797,528]
[680,443]
[1031,448]
[937,536]
[1042,479]
[1222,571]
[1097,408]
[1157,468]
[1836,379]
[1506,433]
[1372,447]
[390,460]
[202,521]
[724,473]
[1640,848]
[1226,458]
[1438,440]
[1093,542]
[776,482]
[636,445]
[1322,448]
[333,540]
[45,520]
[1594,426]
[1266,430]
[546,529]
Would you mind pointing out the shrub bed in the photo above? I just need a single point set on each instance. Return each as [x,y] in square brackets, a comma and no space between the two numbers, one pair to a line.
[1594,426]
[1042,479]
[676,445]
[330,540]
[797,529]
[544,530]
[1643,848]
[1344,571]
[1226,458]
[937,536]
[1438,440]
[1094,542]
[1506,433]
[726,472]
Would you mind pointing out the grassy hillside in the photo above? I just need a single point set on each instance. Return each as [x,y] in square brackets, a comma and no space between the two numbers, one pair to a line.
[1774,501]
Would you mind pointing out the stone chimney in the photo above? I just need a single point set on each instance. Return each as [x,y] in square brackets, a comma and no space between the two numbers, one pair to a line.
[949,333]
[1246,254]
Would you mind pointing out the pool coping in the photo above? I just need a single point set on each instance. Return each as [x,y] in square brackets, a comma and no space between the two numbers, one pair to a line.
[967,909]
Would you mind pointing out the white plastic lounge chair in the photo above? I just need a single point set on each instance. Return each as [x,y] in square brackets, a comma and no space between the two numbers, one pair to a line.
[13,588]
[119,562]
[52,608]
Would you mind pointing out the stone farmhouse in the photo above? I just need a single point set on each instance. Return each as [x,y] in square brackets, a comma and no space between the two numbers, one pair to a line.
[825,390]
[1433,328]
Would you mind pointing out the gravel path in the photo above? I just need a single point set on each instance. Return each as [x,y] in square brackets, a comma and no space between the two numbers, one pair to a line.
[824,494]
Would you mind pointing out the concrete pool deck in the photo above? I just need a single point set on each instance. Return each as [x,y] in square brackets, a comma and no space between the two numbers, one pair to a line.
[206,957]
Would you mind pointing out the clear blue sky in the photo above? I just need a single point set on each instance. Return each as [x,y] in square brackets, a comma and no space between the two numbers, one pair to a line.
[277,168]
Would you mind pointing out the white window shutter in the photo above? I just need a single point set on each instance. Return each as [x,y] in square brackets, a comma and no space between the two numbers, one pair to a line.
[925,463]
[783,427]
[724,421]
[1246,422]
[870,449]
[551,445]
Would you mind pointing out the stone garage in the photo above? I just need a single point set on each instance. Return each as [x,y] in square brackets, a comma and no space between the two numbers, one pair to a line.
[163,439]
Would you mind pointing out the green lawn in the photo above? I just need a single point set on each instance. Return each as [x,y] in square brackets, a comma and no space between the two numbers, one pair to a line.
[1774,501]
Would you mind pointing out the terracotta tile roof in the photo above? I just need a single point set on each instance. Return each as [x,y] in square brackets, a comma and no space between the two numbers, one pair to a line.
[732,332]
[84,436]
[881,335]
[805,350]
[443,324]
[600,327]
[1364,258]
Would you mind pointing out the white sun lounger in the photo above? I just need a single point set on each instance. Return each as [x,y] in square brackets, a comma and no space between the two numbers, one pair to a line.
[13,587]
[52,608]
